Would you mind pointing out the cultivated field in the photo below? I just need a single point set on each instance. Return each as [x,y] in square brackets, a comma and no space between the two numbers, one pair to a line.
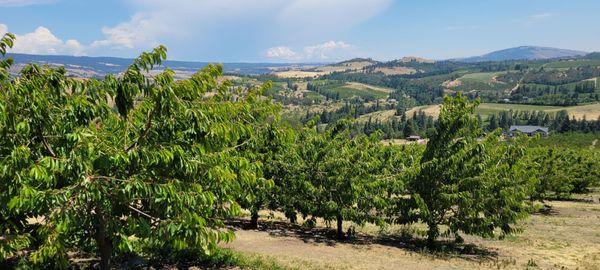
[396,70]
[590,111]
[566,237]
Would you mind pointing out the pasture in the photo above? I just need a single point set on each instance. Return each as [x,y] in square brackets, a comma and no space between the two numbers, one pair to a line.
[349,90]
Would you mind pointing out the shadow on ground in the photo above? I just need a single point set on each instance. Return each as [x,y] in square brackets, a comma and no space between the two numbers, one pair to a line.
[327,236]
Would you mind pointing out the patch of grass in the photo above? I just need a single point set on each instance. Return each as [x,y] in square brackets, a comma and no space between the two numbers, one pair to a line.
[229,258]
[345,91]
[482,81]
[313,96]
[570,140]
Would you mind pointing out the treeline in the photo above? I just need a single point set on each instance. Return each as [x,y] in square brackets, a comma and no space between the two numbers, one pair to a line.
[559,122]
[560,77]
[562,95]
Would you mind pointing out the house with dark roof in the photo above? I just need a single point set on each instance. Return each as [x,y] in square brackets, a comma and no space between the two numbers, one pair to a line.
[413,138]
[528,130]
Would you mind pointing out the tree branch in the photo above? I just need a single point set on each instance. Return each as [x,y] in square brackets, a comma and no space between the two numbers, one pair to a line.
[147,127]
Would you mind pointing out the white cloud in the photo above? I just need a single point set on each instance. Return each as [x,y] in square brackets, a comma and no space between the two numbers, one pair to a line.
[21,3]
[3,29]
[282,52]
[43,41]
[321,51]
[158,21]
[330,50]
[128,35]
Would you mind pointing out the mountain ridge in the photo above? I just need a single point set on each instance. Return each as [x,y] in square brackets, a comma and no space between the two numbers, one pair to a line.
[524,53]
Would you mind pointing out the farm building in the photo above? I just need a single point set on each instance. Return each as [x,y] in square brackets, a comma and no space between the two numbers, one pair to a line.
[413,138]
[528,130]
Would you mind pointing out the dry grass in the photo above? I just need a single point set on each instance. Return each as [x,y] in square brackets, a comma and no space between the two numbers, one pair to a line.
[396,70]
[299,74]
[352,66]
[568,238]
[429,110]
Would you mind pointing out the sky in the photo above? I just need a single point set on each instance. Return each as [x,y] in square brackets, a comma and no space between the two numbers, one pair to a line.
[297,30]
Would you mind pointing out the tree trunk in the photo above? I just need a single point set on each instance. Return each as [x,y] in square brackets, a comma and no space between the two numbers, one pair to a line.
[104,243]
[340,231]
[254,219]
[432,235]
[292,217]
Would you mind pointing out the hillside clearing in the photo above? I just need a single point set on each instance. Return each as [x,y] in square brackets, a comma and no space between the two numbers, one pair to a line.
[395,70]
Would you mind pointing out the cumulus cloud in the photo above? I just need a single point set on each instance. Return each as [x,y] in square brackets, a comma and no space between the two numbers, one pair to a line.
[330,50]
[137,32]
[43,41]
[21,3]
[282,52]
[158,21]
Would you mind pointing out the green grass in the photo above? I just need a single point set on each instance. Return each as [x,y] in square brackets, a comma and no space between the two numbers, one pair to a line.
[347,92]
[313,96]
[570,140]
[485,77]
[227,258]
[482,81]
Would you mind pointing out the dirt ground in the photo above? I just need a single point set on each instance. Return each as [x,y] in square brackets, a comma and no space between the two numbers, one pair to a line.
[567,237]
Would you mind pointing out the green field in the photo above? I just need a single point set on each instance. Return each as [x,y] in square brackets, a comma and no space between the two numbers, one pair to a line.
[313,96]
[485,77]
[482,81]
[347,90]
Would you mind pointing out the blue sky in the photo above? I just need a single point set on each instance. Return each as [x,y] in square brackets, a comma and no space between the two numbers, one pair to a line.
[298,30]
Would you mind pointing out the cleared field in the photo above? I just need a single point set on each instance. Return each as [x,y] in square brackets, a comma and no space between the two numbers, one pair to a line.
[395,70]
[347,90]
[344,66]
[479,81]
[566,238]
[382,116]
[366,87]
[429,110]
[485,77]
[299,74]
[324,70]
[590,111]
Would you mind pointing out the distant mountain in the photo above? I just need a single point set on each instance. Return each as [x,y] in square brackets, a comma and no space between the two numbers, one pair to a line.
[95,67]
[524,53]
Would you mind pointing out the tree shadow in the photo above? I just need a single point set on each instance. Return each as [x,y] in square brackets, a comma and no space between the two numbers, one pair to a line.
[445,248]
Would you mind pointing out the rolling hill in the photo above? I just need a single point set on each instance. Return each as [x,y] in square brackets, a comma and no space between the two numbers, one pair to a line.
[525,53]
[85,66]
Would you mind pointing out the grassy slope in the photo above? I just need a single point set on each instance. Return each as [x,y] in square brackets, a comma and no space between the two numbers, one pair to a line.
[354,90]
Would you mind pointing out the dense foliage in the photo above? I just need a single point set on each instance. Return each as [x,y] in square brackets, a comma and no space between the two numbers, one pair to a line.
[158,171]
